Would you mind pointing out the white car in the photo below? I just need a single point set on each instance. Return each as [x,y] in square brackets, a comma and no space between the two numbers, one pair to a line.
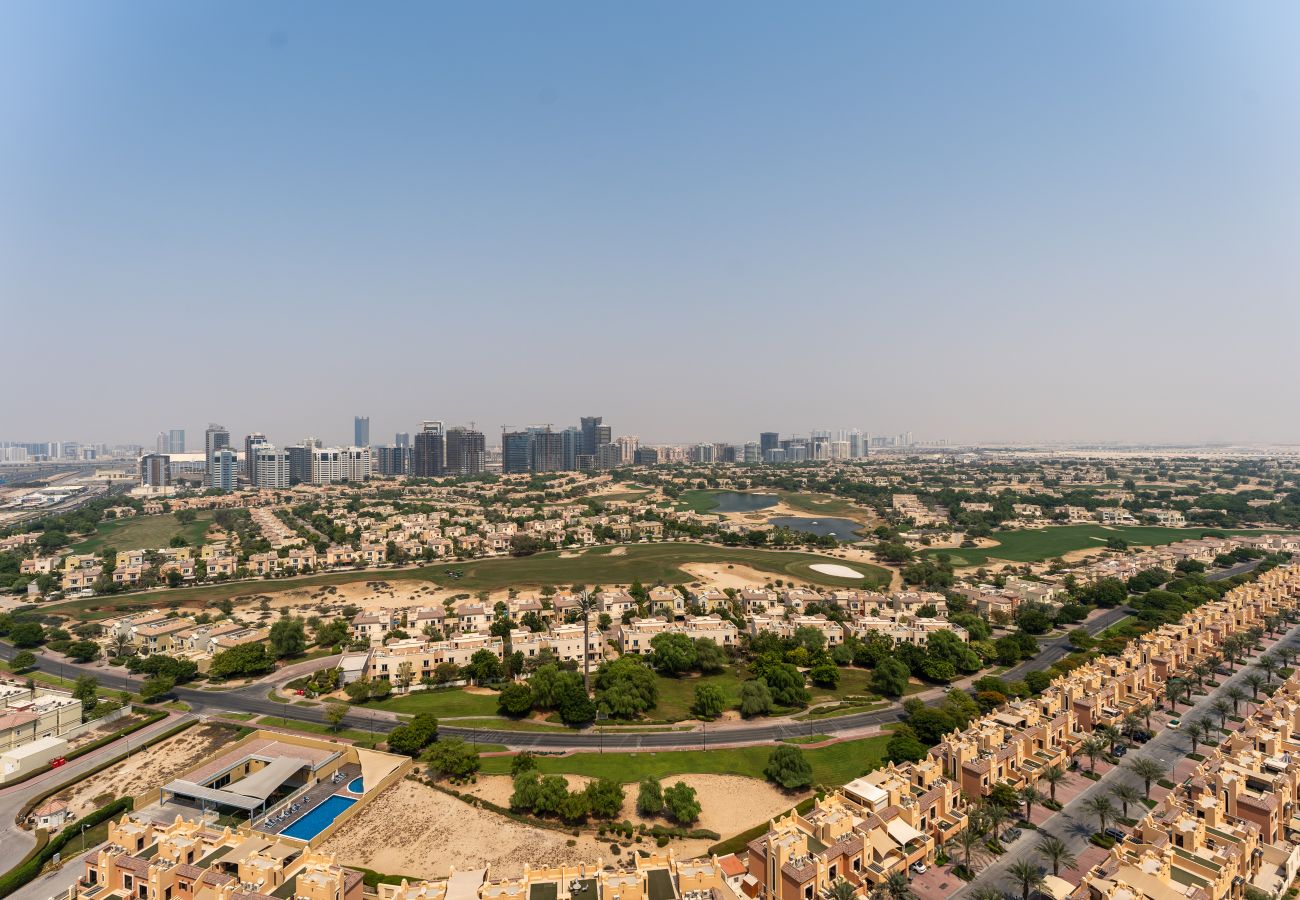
[918,868]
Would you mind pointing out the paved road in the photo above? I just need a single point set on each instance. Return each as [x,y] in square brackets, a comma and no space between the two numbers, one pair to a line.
[253,698]
[1071,824]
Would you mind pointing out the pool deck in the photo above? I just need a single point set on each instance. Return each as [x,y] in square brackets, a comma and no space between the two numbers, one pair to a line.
[316,795]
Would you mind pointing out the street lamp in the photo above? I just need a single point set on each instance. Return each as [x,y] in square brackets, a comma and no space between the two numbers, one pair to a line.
[83,837]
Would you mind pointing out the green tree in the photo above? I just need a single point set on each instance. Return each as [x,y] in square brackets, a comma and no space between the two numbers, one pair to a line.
[787,767]
[1054,775]
[604,798]
[709,701]
[83,651]
[1147,769]
[650,797]
[1026,876]
[673,653]
[241,661]
[453,758]
[86,690]
[515,700]
[1126,793]
[27,634]
[156,687]
[335,712]
[288,638]
[1101,808]
[23,661]
[709,658]
[890,677]
[825,674]
[681,805]
[755,699]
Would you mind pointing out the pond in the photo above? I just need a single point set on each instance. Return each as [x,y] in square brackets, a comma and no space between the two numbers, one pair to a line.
[843,530]
[739,502]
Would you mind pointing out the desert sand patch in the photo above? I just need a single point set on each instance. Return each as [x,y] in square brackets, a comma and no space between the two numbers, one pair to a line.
[147,769]
[722,575]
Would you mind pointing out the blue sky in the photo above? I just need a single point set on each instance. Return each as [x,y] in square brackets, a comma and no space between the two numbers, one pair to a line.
[979,221]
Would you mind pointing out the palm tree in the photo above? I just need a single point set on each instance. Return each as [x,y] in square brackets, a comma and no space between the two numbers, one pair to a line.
[1029,795]
[1126,792]
[1256,682]
[1145,712]
[969,839]
[1054,852]
[842,890]
[587,604]
[1092,747]
[1102,808]
[1054,775]
[1109,734]
[1148,770]
[1026,876]
[895,887]
[986,893]
[1130,725]
[1195,730]
[121,644]
[1173,690]
[994,815]
[1202,671]
[1236,695]
[1221,709]
[1268,665]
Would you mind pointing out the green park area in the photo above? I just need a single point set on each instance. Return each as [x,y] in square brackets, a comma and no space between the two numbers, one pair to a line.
[833,765]
[1038,544]
[144,532]
[647,563]
[815,504]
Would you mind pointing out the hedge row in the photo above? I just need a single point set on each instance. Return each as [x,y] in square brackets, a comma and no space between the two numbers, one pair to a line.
[153,716]
[30,867]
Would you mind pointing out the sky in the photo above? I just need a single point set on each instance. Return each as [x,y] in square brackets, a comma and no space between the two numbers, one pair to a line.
[999,221]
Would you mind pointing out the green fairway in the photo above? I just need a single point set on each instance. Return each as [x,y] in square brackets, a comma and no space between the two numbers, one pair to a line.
[698,501]
[834,765]
[1038,544]
[444,703]
[144,532]
[826,505]
[647,563]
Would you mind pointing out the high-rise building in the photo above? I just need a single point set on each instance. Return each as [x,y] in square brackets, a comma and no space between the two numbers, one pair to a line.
[752,453]
[356,463]
[402,439]
[768,440]
[646,456]
[216,438]
[327,465]
[608,456]
[299,463]
[223,470]
[162,443]
[465,451]
[393,461]
[251,443]
[702,453]
[547,450]
[361,431]
[570,447]
[589,424]
[177,440]
[857,446]
[429,459]
[516,452]
[270,467]
[627,446]
[155,470]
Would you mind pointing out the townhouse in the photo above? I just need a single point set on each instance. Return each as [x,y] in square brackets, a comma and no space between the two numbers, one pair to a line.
[636,636]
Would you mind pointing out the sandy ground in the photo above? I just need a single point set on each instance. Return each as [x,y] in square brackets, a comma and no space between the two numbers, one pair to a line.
[146,770]
[103,730]
[723,575]
[376,593]
[412,829]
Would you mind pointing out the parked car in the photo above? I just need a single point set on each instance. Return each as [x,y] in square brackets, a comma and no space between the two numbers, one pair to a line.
[1174,723]
[1114,833]
[918,868]
[1010,835]
[1119,750]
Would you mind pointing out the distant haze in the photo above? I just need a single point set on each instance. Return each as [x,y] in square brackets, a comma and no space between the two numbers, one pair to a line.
[979,221]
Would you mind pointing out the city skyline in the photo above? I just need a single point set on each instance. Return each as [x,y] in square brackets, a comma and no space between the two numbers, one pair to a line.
[994,223]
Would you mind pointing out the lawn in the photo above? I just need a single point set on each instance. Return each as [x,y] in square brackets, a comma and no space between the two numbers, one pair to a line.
[647,563]
[1036,545]
[144,532]
[355,735]
[834,765]
[443,704]
[697,501]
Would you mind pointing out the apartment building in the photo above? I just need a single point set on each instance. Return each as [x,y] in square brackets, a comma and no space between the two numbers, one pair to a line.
[425,656]
[831,630]
[637,635]
[30,713]
[564,642]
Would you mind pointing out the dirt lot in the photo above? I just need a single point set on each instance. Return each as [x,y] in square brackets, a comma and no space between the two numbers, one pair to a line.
[104,730]
[147,769]
[412,829]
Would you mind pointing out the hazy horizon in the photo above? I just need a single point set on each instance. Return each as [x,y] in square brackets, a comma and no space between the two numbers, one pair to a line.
[986,223]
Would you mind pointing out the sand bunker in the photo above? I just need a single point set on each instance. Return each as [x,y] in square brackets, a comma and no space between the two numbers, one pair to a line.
[836,571]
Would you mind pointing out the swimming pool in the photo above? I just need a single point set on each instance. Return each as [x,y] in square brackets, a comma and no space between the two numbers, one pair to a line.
[356,785]
[318,818]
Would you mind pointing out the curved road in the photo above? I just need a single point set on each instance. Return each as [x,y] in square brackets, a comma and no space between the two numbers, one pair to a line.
[253,698]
